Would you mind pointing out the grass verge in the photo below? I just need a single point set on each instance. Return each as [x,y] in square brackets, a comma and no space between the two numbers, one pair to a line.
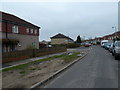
[65,57]
[22,66]
[69,58]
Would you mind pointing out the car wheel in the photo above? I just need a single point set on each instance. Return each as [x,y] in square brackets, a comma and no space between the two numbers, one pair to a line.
[112,53]
[116,58]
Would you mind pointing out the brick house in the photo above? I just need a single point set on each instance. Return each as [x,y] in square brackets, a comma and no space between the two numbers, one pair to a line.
[61,39]
[109,37]
[17,34]
[43,44]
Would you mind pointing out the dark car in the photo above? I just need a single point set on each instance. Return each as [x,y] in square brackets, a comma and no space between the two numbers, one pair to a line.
[106,45]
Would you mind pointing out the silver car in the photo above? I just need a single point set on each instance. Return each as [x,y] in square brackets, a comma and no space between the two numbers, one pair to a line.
[116,49]
[111,47]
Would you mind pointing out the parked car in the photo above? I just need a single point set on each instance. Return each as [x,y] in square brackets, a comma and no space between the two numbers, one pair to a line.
[106,45]
[87,44]
[111,47]
[103,42]
[116,49]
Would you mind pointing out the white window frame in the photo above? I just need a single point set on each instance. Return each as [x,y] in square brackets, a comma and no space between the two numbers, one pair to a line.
[15,29]
[27,30]
[31,31]
[35,31]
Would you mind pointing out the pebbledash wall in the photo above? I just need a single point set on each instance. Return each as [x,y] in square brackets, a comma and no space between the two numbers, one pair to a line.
[24,40]
[59,41]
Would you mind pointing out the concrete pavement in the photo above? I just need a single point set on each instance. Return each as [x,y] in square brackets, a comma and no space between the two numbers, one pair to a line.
[10,64]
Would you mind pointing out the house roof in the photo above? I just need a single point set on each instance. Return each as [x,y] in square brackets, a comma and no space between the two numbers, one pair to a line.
[61,36]
[15,19]
[113,34]
[118,33]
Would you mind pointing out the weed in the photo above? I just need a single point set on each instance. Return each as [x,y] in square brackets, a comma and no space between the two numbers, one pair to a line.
[22,72]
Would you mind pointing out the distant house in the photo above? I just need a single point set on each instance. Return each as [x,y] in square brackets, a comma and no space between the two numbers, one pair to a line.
[17,34]
[61,39]
[109,37]
[43,44]
[112,36]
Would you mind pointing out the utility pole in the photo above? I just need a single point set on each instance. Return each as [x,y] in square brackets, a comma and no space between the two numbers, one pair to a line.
[115,32]
[6,36]
[6,30]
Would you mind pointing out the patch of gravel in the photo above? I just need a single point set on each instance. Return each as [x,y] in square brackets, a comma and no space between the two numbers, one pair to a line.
[29,76]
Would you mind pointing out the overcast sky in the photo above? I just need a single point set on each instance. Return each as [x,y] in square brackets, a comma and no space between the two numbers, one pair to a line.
[89,19]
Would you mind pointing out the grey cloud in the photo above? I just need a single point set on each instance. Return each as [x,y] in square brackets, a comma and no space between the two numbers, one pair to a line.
[72,19]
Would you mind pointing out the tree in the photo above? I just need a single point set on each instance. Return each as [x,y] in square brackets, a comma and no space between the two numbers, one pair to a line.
[116,39]
[78,40]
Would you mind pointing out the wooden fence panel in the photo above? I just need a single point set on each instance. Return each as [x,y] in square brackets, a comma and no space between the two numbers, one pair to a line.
[24,54]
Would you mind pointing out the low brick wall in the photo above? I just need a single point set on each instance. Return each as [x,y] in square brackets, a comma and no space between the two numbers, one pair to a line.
[25,54]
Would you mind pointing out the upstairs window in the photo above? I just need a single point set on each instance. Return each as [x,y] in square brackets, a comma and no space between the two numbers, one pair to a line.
[31,31]
[27,30]
[35,31]
[15,29]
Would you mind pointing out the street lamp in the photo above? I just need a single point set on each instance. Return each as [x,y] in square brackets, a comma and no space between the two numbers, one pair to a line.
[115,32]
[84,37]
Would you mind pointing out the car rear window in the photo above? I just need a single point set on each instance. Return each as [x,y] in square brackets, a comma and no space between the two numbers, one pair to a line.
[117,44]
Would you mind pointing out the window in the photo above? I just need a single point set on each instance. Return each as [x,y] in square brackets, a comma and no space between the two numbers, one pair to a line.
[27,30]
[117,44]
[31,30]
[35,31]
[66,40]
[33,44]
[15,29]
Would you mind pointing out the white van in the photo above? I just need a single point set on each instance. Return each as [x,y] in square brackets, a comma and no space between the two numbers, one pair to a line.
[104,41]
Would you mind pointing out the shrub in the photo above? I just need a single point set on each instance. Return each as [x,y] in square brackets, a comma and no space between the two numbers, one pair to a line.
[98,42]
[59,45]
[73,45]
[70,45]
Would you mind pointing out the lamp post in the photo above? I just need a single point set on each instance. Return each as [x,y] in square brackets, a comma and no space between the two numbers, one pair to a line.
[84,37]
[115,32]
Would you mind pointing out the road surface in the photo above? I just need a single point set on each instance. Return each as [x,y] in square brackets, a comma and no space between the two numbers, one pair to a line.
[97,70]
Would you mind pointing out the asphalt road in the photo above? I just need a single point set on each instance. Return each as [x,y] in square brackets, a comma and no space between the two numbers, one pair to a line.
[97,70]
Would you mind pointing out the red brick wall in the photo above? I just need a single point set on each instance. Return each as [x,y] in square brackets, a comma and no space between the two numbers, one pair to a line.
[9,28]
[14,59]
[37,32]
[3,27]
[22,29]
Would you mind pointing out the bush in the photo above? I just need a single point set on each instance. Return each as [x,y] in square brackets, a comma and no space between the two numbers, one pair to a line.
[98,42]
[70,45]
[73,45]
[59,45]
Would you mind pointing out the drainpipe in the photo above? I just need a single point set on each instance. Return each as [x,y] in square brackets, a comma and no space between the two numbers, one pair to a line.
[115,32]
[6,34]
[6,30]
